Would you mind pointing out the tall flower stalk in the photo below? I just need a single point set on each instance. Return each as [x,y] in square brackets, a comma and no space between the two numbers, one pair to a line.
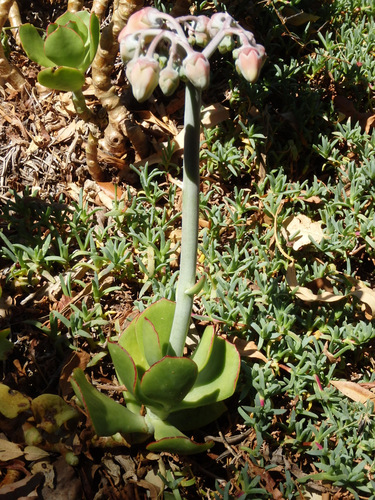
[159,49]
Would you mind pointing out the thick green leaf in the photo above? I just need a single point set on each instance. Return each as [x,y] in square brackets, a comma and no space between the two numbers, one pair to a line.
[107,416]
[94,35]
[67,79]
[33,45]
[202,353]
[151,343]
[160,314]
[65,47]
[81,27]
[181,445]
[124,366]
[169,438]
[217,381]
[195,418]
[129,341]
[169,380]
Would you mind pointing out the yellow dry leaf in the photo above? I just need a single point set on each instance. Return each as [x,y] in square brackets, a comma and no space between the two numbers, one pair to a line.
[353,391]
[9,450]
[301,229]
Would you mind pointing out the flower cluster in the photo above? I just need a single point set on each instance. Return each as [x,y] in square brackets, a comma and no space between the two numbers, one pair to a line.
[159,50]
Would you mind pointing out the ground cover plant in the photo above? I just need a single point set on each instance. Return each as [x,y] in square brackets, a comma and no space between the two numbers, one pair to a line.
[286,247]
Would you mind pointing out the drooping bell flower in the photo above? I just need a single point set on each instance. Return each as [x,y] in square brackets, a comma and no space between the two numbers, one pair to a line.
[197,70]
[249,63]
[143,76]
[169,80]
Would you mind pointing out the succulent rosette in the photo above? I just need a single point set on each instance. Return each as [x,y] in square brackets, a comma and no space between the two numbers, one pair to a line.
[66,51]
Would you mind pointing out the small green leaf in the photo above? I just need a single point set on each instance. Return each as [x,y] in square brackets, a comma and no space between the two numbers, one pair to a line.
[65,47]
[33,45]
[67,79]
[107,416]
[169,380]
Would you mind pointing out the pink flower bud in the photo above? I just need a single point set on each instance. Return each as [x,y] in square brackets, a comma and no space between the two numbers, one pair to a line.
[168,80]
[143,75]
[197,70]
[140,20]
[249,63]
[128,47]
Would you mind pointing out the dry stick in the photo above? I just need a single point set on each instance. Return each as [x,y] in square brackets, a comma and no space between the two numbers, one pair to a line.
[119,122]
[74,5]
[15,21]
[99,8]
[8,73]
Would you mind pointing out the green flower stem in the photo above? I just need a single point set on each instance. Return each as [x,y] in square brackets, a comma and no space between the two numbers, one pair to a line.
[80,106]
[190,208]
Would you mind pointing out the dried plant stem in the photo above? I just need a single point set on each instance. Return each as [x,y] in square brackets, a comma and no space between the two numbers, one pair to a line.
[102,67]
[92,154]
[8,73]
[74,5]
[15,21]
[190,211]
[99,8]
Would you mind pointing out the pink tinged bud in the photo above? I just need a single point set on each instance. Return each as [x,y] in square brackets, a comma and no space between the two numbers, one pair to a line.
[249,63]
[141,20]
[318,445]
[197,70]
[226,44]
[143,75]
[168,81]
[261,401]
[128,47]
[318,382]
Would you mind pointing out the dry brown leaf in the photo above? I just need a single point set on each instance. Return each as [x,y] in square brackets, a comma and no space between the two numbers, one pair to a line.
[9,451]
[304,228]
[248,349]
[305,293]
[214,114]
[353,391]
[366,295]
[347,108]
